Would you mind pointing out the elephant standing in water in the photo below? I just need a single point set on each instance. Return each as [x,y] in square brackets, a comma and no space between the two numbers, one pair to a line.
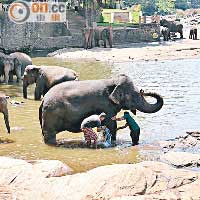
[45,77]
[66,105]
[174,27]
[4,110]
[14,64]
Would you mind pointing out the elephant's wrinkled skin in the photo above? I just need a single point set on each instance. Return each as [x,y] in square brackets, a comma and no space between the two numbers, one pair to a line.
[66,105]
[15,64]
[4,110]
[45,77]
[174,27]
[105,34]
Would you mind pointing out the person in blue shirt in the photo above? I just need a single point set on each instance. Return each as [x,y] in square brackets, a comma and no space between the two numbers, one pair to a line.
[133,126]
[107,138]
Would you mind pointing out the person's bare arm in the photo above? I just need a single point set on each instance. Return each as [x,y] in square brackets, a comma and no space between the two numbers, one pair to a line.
[122,127]
[117,119]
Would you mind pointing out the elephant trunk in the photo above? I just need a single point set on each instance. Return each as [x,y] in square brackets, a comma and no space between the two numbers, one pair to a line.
[5,113]
[7,71]
[146,107]
[25,85]
[111,37]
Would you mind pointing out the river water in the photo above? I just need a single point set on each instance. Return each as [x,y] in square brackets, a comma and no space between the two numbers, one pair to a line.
[177,81]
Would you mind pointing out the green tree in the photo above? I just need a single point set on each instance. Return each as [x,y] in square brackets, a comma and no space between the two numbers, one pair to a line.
[182,4]
[165,6]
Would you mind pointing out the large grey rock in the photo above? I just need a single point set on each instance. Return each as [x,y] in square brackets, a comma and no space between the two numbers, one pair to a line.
[146,180]
[189,141]
[51,168]
[182,159]
[18,171]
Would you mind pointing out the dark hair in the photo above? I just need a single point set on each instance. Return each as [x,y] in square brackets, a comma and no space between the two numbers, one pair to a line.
[126,113]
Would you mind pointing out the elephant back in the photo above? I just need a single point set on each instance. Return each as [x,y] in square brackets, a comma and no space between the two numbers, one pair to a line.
[56,74]
[23,58]
[172,26]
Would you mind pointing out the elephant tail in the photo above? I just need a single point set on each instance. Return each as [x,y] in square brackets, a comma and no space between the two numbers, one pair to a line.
[40,114]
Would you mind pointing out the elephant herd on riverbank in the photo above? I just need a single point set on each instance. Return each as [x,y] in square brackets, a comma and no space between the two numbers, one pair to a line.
[68,101]
[93,36]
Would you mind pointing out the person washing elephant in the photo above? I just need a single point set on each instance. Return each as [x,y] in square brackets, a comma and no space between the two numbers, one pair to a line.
[133,126]
[95,121]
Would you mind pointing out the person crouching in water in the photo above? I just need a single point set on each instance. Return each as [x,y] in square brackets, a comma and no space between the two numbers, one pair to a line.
[106,138]
[92,122]
[133,126]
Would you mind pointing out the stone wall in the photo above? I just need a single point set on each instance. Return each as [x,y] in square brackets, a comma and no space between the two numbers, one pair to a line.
[135,34]
[35,35]
[56,35]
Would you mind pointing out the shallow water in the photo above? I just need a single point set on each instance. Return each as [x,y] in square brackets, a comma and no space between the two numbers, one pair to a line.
[26,133]
[177,81]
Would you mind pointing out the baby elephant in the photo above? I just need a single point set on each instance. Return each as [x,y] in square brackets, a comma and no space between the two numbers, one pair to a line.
[4,110]
[45,77]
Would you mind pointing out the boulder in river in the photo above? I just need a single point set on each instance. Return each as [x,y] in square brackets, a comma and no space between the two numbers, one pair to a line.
[189,141]
[182,159]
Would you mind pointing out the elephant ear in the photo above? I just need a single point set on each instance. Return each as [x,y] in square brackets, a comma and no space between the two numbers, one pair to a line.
[117,95]
[122,84]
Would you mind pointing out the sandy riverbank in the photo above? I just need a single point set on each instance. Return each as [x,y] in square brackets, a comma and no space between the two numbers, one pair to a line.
[181,49]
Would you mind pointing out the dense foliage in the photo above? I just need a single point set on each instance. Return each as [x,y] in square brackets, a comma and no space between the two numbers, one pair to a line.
[149,7]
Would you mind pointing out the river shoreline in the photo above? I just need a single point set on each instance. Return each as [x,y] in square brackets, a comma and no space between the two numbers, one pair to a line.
[169,178]
[180,49]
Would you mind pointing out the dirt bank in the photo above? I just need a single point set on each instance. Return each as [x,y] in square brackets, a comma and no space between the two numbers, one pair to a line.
[181,49]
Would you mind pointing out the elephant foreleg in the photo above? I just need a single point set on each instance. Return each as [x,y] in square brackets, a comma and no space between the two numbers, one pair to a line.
[19,75]
[181,34]
[11,77]
[38,92]
[40,87]
[49,138]
[112,125]
[104,43]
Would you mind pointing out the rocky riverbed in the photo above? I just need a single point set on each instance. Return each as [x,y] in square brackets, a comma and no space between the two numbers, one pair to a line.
[148,180]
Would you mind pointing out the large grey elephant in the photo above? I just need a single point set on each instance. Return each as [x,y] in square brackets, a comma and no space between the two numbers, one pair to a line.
[4,110]
[174,27]
[14,64]
[165,33]
[105,34]
[88,34]
[2,56]
[45,77]
[66,105]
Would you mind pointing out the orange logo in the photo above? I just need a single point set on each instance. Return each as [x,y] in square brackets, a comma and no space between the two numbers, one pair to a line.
[19,12]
